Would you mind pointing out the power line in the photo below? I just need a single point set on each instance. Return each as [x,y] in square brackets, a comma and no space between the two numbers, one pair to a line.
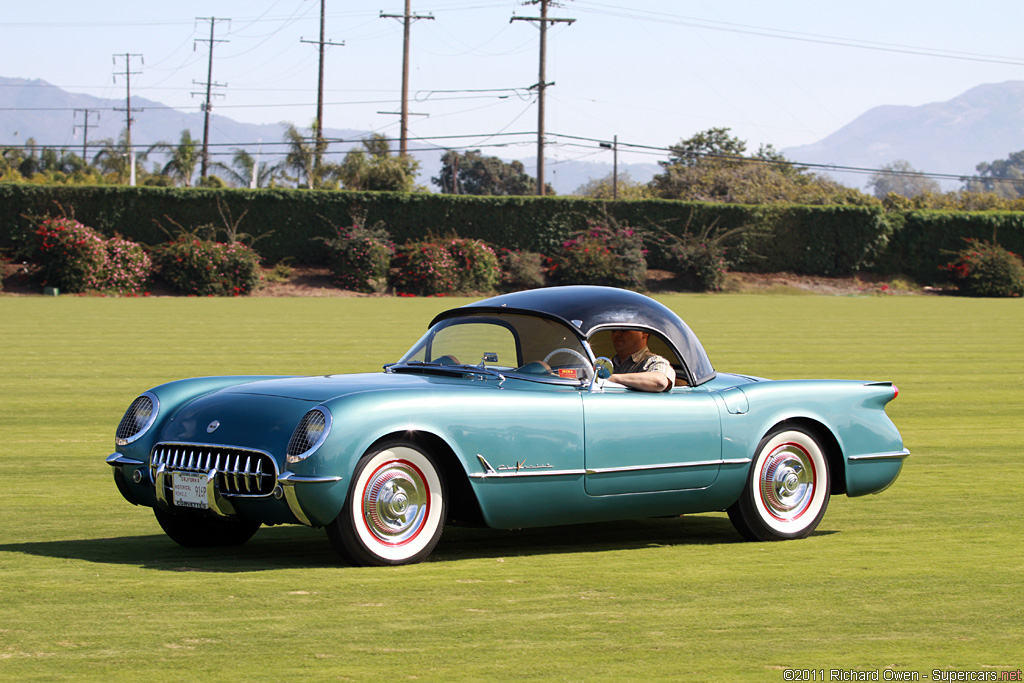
[596,144]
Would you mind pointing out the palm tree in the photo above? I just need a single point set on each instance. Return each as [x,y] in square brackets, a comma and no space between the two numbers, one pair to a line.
[114,159]
[184,158]
[305,157]
[240,173]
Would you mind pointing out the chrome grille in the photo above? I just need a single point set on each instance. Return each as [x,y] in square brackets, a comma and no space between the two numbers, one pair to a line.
[308,433]
[240,472]
[138,416]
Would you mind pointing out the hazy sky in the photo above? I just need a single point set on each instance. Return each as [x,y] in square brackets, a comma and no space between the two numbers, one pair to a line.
[649,71]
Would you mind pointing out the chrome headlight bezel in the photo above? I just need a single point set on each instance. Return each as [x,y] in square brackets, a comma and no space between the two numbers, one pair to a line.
[121,436]
[306,439]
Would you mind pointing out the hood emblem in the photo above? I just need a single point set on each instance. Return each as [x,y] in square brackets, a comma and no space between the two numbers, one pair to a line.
[212,427]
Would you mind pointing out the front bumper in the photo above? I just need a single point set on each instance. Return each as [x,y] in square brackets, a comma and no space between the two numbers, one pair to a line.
[141,483]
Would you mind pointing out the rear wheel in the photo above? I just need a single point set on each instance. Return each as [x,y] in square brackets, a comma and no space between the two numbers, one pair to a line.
[787,490]
[395,509]
[195,531]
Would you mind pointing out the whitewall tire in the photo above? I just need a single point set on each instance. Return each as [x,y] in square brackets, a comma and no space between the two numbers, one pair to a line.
[787,489]
[395,510]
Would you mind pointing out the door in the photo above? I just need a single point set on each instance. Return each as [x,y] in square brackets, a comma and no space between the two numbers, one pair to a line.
[638,442]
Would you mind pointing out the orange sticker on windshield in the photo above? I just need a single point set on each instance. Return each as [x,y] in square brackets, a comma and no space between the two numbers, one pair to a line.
[567,373]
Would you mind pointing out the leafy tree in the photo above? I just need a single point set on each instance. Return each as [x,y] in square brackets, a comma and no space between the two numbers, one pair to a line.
[901,178]
[713,142]
[375,169]
[1004,177]
[473,173]
[603,188]
[184,157]
[710,167]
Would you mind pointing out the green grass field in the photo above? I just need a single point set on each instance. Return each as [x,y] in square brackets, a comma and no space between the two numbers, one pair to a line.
[927,575]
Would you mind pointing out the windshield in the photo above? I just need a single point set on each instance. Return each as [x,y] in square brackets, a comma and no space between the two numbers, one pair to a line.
[535,348]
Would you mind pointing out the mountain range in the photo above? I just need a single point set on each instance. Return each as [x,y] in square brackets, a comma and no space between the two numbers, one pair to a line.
[983,124]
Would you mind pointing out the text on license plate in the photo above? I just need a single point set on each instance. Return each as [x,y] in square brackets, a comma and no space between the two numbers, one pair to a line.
[189,489]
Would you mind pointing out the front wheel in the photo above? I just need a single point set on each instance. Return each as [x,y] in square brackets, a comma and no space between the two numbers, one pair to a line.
[787,490]
[194,531]
[395,509]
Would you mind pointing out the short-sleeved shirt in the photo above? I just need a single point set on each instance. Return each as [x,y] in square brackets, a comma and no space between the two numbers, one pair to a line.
[645,361]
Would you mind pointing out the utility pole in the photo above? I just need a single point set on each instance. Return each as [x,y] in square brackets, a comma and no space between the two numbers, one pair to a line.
[542,83]
[318,143]
[127,73]
[85,130]
[614,146]
[407,20]
[207,105]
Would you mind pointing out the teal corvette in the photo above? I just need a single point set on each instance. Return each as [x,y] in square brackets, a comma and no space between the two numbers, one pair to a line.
[503,415]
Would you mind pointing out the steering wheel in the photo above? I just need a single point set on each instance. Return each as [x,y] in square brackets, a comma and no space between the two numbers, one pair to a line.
[571,352]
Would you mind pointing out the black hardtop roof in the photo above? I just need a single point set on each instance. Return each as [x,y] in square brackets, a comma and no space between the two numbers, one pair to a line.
[587,309]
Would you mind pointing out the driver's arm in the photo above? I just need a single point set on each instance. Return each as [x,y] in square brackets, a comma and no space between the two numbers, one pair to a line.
[643,381]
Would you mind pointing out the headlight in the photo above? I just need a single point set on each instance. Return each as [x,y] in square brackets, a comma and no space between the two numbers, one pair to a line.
[137,419]
[311,432]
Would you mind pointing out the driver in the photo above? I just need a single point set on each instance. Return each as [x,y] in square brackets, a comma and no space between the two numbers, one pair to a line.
[636,367]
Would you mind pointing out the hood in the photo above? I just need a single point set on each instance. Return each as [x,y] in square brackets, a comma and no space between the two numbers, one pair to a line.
[263,414]
[324,388]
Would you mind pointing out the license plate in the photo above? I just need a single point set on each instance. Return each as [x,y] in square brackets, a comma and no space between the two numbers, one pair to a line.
[190,489]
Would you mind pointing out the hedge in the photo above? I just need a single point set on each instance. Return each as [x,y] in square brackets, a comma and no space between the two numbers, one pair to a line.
[924,240]
[810,240]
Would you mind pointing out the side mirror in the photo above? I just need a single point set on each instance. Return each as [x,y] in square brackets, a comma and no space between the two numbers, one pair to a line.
[604,367]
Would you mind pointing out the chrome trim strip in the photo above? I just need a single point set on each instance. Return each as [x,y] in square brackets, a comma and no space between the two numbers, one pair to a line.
[525,473]
[288,480]
[487,466]
[115,459]
[666,466]
[882,456]
[492,474]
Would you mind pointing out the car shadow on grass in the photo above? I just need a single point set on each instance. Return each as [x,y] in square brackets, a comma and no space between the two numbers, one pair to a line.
[298,547]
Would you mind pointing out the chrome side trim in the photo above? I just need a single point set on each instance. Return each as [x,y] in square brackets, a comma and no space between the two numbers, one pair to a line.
[487,466]
[667,466]
[490,472]
[288,480]
[895,455]
[116,459]
[511,474]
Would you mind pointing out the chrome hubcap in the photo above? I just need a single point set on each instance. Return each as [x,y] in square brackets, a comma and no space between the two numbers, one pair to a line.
[395,502]
[787,481]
